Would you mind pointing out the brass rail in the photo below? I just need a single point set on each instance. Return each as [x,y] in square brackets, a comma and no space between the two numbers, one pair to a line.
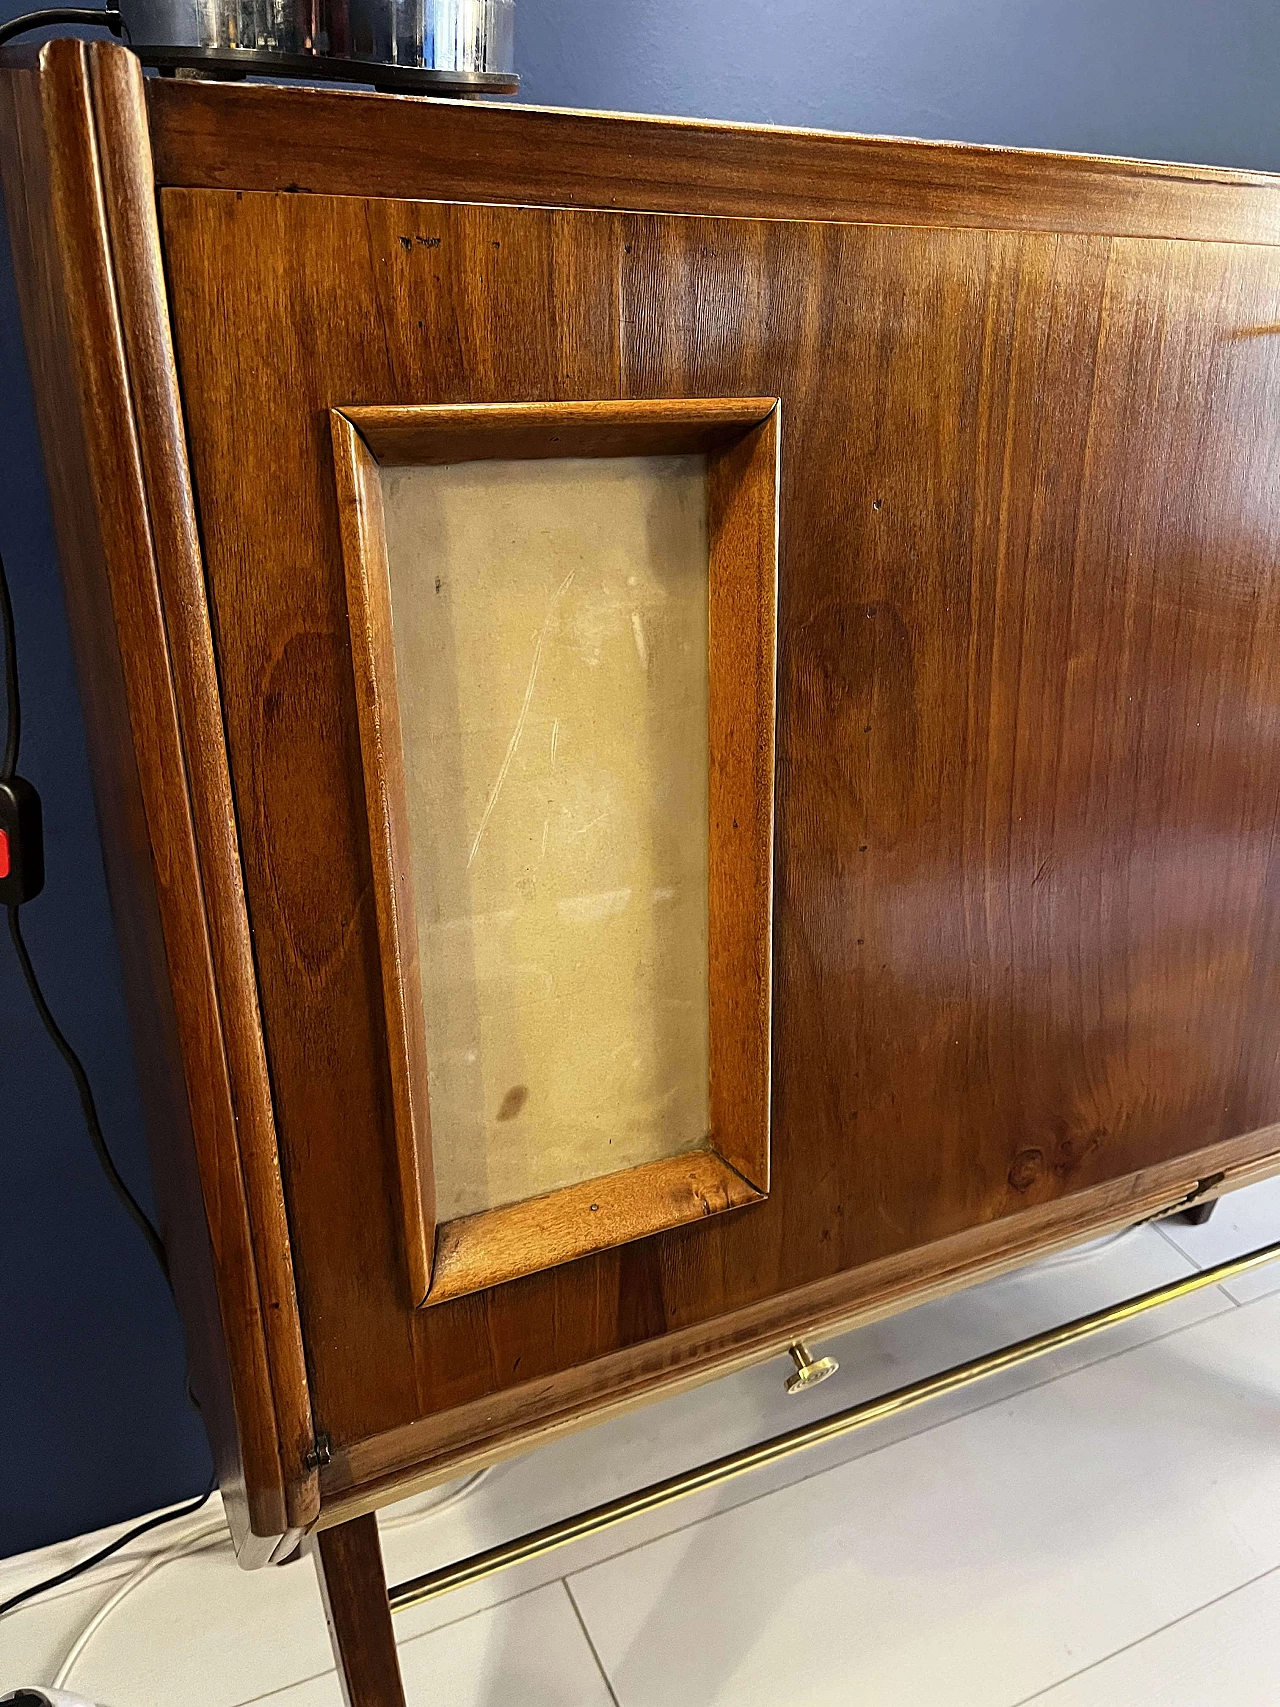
[539,1541]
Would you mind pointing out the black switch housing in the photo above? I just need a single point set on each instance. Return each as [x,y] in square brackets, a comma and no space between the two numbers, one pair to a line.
[21,824]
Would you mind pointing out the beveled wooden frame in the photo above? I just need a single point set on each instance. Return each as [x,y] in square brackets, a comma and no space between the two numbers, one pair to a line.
[739,436]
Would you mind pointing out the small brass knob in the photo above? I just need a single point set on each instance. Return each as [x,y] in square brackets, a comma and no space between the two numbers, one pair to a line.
[810,1371]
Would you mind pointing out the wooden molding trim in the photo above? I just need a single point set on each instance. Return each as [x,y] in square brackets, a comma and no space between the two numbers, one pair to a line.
[129,199]
[81,200]
[370,1473]
[742,482]
[478,1251]
[338,142]
[364,552]
[469,432]
[741,439]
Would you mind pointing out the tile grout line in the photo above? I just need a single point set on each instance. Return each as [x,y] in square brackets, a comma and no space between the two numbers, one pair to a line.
[1197,1265]
[595,1652]
[1158,1227]
[1173,1245]
[446,1624]
[1148,1636]
[1225,1286]
[1025,1701]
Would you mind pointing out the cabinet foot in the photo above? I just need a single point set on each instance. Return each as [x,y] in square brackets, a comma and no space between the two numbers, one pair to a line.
[1198,1213]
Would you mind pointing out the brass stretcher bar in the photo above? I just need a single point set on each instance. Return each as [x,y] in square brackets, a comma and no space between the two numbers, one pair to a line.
[539,1541]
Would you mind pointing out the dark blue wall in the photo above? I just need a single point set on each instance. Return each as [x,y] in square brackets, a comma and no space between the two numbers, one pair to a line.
[93,1422]
[93,1425]
[1162,79]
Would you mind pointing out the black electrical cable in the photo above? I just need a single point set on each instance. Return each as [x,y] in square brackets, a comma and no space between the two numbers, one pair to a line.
[132,1207]
[8,769]
[114,1177]
[187,1510]
[107,17]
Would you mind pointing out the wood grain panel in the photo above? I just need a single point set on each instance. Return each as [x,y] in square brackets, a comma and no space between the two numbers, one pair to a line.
[1025,886]
[335,142]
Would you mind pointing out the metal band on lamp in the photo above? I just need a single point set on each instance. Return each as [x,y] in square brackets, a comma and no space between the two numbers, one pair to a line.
[440,47]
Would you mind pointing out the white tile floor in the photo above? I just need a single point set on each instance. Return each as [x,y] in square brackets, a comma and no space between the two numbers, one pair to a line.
[1096,1529]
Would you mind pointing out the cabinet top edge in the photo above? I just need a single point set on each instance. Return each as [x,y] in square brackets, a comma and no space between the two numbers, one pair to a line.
[333,141]
[336,141]
[174,100]
[342,142]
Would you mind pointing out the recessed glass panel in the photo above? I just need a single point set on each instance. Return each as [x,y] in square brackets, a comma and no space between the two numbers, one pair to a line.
[550,634]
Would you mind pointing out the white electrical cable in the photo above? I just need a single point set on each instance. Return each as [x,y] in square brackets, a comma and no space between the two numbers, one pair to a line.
[213,1533]
[1081,1253]
[210,1534]
[449,1496]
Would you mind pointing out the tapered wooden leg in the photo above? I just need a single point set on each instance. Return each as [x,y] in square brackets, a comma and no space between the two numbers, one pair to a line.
[353,1586]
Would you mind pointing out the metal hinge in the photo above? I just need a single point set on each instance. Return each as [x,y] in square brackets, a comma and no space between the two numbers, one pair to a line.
[321,1453]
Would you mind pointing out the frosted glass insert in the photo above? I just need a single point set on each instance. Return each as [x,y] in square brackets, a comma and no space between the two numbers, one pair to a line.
[550,630]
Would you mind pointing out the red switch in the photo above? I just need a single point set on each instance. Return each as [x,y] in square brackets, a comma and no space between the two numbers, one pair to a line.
[21,843]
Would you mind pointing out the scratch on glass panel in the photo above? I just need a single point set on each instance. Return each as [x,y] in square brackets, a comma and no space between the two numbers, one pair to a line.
[516,733]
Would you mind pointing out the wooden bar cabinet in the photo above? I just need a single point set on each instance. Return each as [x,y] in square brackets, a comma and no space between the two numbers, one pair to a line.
[683,719]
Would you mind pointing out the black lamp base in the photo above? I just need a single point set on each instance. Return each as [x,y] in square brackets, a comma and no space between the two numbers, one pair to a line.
[234,64]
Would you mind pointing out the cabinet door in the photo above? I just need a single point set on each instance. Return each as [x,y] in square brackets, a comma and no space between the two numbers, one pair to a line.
[1025,904]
